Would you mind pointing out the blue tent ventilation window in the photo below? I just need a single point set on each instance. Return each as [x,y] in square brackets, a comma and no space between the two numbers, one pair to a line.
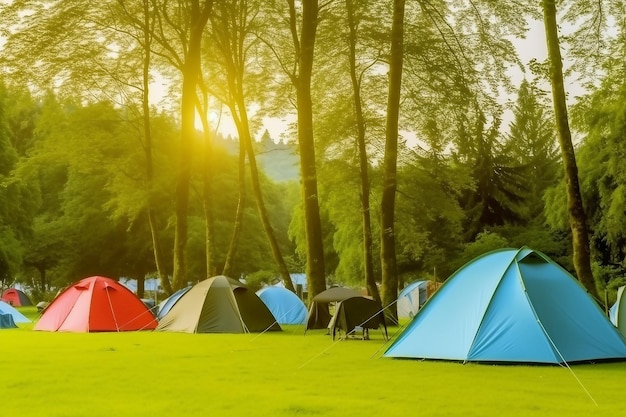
[515,306]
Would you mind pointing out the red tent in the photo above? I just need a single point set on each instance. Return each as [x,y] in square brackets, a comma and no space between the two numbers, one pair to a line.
[96,304]
[15,297]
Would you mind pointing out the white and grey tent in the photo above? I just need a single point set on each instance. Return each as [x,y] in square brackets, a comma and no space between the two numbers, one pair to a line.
[617,313]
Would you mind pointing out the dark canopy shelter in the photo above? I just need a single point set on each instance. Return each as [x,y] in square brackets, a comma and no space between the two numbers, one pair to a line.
[358,312]
[319,317]
[218,305]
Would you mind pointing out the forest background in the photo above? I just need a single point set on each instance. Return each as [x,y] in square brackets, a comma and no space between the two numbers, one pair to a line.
[101,178]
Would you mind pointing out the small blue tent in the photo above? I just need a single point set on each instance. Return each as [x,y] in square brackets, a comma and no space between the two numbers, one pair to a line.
[286,307]
[411,298]
[167,304]
[510,305]
[17,316]
[617,313]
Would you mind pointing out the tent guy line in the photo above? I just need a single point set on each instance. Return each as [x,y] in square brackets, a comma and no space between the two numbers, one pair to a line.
[276,321]
[565,364]
[350,332]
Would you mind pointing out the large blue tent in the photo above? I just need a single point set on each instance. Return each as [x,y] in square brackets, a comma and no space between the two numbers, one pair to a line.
[510,305]
[286,307]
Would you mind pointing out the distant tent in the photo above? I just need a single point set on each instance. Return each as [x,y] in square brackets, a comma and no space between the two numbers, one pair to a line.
[318,316]
[414,296]
[167,304]
[617,313]
[297,279]
[149,284]
[411,298]
[17,316]
[218,305]
[96,304]
[510,306]
[16,298]
[284,305]
[357,312]
[42,305]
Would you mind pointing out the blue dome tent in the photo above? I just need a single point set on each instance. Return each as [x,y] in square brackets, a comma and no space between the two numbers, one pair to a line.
[515,306]
[286,307]
[166,305]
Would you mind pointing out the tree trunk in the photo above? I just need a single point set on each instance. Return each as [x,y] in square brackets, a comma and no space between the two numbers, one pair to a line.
[258,195]
[232,45]
[576,212]
[315,265]
[368,257]
[42,278]
[207,190]
[152,218]
[141,286]
[388,199]
[234,240]
[191,72]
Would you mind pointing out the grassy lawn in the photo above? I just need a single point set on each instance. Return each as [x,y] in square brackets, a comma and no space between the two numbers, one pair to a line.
[277,374]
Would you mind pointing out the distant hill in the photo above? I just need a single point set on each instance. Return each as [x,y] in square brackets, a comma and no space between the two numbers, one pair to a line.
[279,161]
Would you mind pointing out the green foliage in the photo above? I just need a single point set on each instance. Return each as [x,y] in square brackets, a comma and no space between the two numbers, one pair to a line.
[259,279]
[484,242]
[600,115]
[532,143]
[501,181]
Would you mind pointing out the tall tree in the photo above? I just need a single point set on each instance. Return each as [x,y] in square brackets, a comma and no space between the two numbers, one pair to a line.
[387,205]
[11,227]
[196,14]
[303,19]
[353,19]
[231,30]
[576,212]
[500,181]
[531,141]
[69,40]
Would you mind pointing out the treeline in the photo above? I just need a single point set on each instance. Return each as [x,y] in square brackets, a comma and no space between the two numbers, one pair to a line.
[74,193]
[409,164]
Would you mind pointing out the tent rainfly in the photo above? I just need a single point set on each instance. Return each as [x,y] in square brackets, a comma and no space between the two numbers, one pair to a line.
[514,306]
[96,304]
[218,305]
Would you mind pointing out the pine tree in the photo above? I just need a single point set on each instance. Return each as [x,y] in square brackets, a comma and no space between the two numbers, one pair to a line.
[532,143]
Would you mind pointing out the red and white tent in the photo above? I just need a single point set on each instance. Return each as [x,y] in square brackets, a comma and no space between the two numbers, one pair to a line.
[96,304]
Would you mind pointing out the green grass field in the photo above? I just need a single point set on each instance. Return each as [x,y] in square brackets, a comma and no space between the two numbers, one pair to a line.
[277,374]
